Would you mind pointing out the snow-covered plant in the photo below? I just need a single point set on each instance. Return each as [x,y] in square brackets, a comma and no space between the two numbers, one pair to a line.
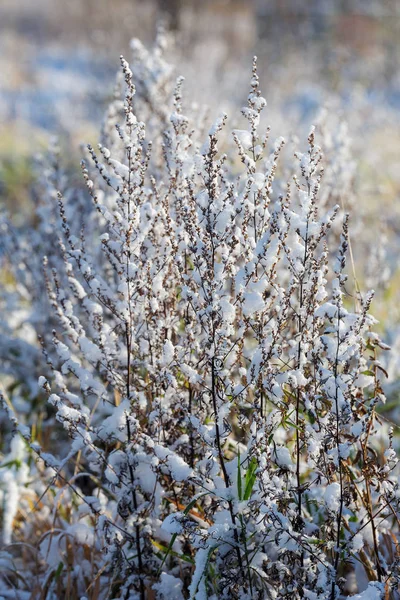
[211,426]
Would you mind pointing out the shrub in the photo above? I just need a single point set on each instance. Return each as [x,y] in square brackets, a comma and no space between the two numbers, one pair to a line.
[210,429]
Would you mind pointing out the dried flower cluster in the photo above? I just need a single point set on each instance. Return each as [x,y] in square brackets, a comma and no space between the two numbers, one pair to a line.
[205,420]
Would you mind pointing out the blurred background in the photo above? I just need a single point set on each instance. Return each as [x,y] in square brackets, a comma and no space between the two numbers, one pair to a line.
[58,62]
[58,58]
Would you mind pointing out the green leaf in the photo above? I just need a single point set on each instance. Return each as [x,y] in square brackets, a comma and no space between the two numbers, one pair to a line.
[192,503]
[175,535]
[12,463]
[211,550]
[250,478]
[239,478]
[164,549]
[59,570]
